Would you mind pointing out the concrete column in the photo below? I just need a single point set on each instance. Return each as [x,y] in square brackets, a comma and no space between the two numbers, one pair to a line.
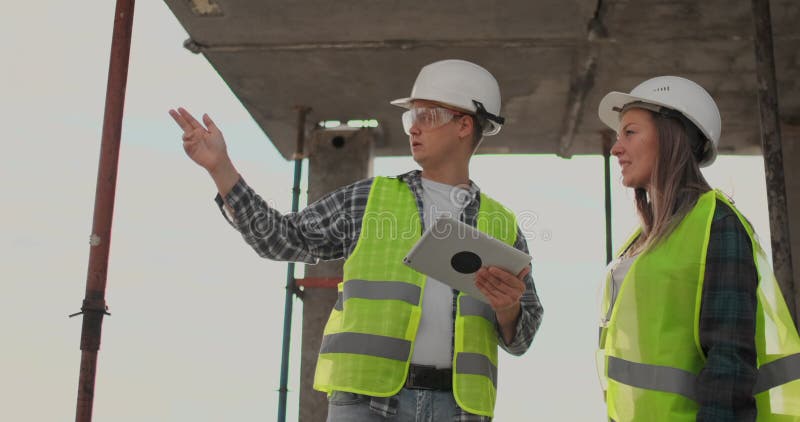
[791,160]
[337,158]
[772,149]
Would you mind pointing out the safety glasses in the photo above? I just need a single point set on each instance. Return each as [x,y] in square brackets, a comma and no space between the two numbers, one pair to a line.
[427,118]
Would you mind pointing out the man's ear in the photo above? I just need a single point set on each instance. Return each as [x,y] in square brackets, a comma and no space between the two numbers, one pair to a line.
[466,127]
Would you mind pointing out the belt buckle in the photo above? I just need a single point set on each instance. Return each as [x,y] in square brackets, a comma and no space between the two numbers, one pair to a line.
[424,377]
[418,377]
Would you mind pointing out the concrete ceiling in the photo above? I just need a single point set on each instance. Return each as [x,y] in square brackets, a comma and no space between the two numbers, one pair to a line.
[554,59]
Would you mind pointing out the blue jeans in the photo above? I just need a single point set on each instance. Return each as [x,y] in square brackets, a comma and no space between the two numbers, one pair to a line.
[413,406]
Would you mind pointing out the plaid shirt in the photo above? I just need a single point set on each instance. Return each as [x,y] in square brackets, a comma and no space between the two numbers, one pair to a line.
[728,323]
[329,229]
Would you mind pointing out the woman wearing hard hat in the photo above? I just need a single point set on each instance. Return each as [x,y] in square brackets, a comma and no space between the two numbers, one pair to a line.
[693,323]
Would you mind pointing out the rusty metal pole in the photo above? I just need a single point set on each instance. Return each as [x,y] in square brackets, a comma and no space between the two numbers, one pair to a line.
[291,285]
[607,142]
[773,154]
[94,304]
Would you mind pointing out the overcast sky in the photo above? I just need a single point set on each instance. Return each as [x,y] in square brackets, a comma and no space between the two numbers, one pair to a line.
[196,317]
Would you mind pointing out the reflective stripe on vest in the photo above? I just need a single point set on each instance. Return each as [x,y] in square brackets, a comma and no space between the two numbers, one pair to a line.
[366,344]
[476,364]
[474,307]
[378,290]
[778,372]
[674,380]
[653,377]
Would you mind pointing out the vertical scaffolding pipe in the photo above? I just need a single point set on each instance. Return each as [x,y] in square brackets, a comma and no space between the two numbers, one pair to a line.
[291,286]
[607,142]
[773,154]
[94,304]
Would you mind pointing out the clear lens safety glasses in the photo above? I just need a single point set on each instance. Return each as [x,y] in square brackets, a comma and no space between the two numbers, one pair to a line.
[426,118]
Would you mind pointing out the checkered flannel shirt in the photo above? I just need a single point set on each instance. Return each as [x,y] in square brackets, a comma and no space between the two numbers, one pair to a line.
[728,323]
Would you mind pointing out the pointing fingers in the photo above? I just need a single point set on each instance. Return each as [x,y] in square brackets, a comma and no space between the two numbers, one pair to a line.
[187,122]
[212,127]
[180,120]
[189,118]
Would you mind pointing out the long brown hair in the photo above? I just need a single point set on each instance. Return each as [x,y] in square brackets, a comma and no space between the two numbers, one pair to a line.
[676,182]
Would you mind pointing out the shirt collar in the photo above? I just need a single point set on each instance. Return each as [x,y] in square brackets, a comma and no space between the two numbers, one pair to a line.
[414,177]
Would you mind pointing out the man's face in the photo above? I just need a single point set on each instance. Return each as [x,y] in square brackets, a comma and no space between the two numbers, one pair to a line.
[434,132]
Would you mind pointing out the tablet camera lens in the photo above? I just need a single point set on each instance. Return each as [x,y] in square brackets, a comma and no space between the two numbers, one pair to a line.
[466,262]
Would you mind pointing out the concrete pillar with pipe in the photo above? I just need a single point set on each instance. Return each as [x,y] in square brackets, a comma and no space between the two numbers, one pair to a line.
[337,158]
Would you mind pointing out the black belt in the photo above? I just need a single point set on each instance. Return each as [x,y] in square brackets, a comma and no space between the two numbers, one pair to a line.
[423,377]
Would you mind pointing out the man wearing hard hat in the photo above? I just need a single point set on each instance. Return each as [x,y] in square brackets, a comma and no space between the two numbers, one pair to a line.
[398,343]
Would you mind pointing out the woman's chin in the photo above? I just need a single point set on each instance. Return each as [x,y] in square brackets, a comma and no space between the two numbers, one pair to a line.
[629,183]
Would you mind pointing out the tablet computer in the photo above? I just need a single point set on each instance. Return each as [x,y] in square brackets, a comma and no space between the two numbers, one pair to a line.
[452,252]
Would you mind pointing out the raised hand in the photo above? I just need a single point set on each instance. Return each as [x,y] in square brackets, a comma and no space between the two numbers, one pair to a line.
[205,145]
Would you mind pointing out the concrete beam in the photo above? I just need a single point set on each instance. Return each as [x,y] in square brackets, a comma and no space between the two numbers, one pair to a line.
[575,104]
[337,158]
[509,43]
[583,83]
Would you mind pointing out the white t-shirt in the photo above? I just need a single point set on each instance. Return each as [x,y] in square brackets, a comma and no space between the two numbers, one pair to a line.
[434,337]
[618,272]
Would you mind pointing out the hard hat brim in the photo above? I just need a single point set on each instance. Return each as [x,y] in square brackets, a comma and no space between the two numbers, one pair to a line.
[402,102]
[614,101]
[406,103]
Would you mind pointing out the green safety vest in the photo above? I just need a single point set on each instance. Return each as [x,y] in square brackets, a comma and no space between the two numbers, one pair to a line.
[650,353]
[369,337]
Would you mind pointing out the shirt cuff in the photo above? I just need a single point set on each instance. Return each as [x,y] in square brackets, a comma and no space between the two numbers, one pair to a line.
[517,344]
[229,204]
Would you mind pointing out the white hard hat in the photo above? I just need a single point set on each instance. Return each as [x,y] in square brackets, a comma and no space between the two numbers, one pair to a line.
[460,84]
[675,93]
